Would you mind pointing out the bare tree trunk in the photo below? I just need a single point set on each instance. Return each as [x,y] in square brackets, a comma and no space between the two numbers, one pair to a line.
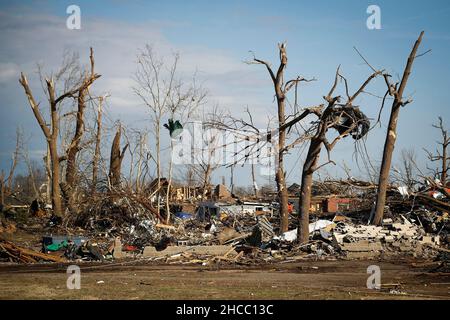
[97,146]
[69,185]
[14,160]
[391,135]
[53,146]
[31,173]
[280,91]
[116,160]
[48,170]
[169,185]
[139,166]
[56,193]
[444,160]
[158,161]
[280,174]
[282,195]
[255,190]
[206,180]
[74,147]
[310,166]
[51,136]
[443,156]
[2,190]
[232,179]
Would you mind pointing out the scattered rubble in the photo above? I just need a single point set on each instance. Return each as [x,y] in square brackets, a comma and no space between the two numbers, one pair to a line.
[126,226]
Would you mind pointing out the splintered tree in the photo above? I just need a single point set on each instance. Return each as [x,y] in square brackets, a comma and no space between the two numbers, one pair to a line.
[71,87]
[116,160]
[98,136]
[69,185]
[281,88]
[442,155]
[396,92]
[346,119]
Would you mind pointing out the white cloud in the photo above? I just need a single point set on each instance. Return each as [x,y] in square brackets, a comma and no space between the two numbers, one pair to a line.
[43,38]
[34,38]
[8,71]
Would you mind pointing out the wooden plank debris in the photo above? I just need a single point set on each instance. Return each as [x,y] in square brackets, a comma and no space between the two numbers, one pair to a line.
[24,255]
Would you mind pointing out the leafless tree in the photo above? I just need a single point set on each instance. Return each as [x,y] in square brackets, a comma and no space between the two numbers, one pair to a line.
[139,158]
[72,85]
[15,158]
[2,189]
[206,154]
[98,137]
[69,186]
[187,175]
[26,184]
[6,184]
[396,91]
[441,155]
[184,100]
[346,119]
[281,88]
[254,185]
[154,88]
[22,152]
[406,175]
[165,94]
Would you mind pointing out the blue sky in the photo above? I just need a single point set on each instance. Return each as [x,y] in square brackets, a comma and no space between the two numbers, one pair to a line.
[214,38]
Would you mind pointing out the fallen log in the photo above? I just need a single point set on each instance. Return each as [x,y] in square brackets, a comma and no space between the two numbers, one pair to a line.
[437,204]
[164,226]
[24,255]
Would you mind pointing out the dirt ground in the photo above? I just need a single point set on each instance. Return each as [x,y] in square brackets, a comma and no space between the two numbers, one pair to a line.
[304,280]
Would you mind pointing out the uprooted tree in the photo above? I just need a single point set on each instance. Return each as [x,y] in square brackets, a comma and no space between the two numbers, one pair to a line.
[394,90]
[72,86]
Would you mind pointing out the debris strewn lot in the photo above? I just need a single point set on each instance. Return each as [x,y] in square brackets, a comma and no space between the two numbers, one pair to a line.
[226,244]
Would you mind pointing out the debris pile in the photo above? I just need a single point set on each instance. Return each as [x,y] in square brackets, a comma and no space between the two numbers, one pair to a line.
[124,225]
[122,215]
[391,238]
